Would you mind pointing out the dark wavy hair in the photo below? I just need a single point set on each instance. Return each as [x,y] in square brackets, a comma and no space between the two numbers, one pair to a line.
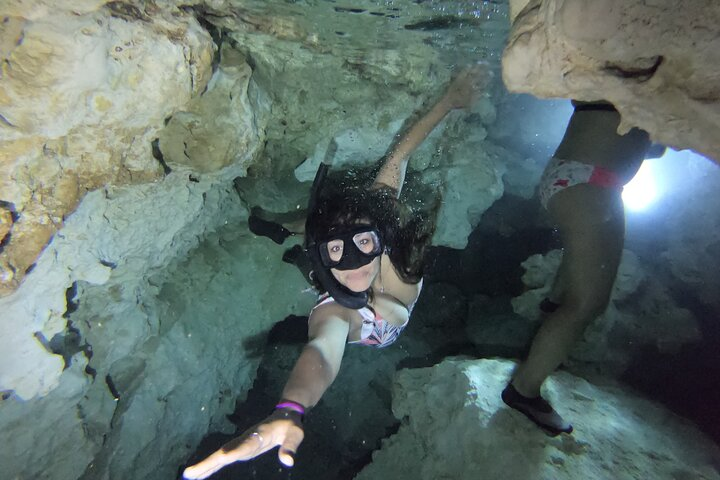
[406,233]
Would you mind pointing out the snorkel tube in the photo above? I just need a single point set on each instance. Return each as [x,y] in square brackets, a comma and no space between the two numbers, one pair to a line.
[343,295]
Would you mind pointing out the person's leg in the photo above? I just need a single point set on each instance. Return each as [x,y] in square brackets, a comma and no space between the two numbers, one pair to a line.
[293,220]
[555,179]
[591,224]
[557,291]
[276,226]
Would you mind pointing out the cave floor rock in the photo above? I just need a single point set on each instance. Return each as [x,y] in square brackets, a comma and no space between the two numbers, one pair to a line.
[455,426]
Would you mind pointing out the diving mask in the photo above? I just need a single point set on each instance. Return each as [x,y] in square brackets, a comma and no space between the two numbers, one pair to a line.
[350,249]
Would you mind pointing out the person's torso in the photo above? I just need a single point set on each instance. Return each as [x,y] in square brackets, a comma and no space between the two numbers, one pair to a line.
[392,301]
[591,137]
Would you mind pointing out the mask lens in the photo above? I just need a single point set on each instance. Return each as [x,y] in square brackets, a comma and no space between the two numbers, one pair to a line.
[335,250]
[367,242]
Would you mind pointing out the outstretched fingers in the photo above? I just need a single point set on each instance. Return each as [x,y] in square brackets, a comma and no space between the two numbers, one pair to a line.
[207,467]
[245,447]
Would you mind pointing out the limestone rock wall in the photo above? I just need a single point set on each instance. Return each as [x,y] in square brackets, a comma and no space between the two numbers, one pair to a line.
[454,425]
[146,77]
[171,353]
[85,88]
[96,359]
[113,358]
[207,135]
[656,61]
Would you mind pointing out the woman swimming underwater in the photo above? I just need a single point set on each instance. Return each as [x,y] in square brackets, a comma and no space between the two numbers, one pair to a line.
[367,258]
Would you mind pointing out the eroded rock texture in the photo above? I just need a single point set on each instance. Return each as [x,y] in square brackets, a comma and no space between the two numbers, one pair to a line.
[85,88]
[456,426]
[656,61]
[166,365]
[91,87]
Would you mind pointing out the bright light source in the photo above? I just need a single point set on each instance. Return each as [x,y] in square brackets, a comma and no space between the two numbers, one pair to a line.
[642,190]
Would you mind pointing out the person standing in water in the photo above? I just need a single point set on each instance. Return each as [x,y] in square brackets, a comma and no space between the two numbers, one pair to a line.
[581,188]
[367,256]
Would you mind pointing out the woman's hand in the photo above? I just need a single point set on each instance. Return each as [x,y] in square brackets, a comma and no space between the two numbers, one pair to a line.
[283,428]
[467,86]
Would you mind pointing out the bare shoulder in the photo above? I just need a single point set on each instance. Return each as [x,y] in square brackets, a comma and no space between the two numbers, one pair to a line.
[392,283]
[326,316]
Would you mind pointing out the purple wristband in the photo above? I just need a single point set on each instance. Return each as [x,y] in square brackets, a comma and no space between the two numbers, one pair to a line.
[294,406]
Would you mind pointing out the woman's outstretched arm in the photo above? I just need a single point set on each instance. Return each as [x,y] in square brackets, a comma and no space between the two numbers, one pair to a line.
[460,94]
[320,360]
[313,373]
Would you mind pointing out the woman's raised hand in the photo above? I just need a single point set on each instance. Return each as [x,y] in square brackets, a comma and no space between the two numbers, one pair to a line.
[283,428]
[467,86]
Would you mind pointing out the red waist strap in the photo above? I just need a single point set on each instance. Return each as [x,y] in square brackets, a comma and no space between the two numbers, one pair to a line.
[603,177]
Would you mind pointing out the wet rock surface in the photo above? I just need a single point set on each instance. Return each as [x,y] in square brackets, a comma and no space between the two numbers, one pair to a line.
[455,425]
[81,104]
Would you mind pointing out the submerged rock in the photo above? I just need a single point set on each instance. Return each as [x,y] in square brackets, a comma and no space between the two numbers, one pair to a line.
[456,426]
[84,93]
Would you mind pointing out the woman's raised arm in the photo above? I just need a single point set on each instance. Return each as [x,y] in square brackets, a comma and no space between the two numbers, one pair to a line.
[460,94]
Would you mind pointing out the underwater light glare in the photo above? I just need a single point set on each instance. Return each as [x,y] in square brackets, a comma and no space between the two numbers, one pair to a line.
[642,190]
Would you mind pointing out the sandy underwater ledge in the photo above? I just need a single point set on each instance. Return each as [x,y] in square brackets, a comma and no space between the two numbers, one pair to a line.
[455,426]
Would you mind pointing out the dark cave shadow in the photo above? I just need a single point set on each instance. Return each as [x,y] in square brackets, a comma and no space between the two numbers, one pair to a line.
[686,382]
[491,262]
[437,355]
[323,455]
[290,331]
